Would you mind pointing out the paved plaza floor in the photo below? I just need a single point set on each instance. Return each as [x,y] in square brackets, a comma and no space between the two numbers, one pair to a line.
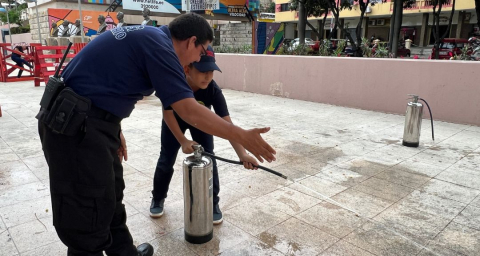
[353,189]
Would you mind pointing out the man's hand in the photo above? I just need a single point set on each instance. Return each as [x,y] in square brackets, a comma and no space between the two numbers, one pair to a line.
[252,141]
[249,161]
[122,150]
[205,120]
[187,146]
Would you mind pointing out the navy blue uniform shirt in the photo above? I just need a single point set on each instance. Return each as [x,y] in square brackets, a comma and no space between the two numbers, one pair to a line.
[211,96]
[124,64]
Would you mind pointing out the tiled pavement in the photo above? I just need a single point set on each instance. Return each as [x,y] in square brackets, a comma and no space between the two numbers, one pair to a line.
[353,189]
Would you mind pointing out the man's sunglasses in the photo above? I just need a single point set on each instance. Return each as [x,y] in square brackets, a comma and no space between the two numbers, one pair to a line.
[204,51]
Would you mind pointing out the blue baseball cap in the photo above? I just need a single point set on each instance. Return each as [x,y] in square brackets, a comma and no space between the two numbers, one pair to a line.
[207,61]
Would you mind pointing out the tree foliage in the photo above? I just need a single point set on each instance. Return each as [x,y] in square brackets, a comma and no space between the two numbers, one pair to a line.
[314,8]
[14,14]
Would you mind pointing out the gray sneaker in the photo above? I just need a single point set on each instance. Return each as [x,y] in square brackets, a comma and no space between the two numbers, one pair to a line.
[217,215]
[156,208]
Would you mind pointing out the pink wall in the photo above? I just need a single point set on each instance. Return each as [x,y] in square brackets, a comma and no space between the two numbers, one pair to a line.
[452,88]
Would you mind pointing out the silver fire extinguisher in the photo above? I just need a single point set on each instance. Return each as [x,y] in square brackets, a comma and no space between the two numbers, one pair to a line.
[413,122]
[198,197]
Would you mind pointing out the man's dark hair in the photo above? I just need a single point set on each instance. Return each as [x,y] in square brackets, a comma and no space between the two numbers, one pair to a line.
[191,24]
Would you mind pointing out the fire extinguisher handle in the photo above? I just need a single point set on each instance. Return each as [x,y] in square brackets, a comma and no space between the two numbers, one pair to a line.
[414,97]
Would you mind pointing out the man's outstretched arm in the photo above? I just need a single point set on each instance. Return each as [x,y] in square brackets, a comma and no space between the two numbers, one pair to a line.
[207,121]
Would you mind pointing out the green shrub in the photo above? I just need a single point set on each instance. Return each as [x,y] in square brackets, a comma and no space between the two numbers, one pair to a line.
[244,49]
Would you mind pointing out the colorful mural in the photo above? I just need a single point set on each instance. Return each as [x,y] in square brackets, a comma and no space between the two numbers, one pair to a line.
[90,19]
[269,37]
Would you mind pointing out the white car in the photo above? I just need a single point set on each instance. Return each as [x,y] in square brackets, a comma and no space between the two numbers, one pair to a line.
[294,43]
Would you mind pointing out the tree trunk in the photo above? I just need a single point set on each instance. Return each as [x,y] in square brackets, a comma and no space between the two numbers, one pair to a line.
[363,9]
[314,30]
[392,29]
[477,10]
[436,23]
[396,27]
[336,13]
[322,27]
[436,27]
[335,27]
[302,18]
[450,21]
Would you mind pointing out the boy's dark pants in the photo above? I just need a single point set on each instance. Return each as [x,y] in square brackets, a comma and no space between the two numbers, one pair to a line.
[168,155]
[20,62]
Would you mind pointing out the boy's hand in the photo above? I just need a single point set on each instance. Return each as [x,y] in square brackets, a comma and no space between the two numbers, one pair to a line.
[253,142]
[187,146]
[249,161]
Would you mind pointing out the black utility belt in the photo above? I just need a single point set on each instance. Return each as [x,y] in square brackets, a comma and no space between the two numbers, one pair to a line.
[69,111]
[103,115]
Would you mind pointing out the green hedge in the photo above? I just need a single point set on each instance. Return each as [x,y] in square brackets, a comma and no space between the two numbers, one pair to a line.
[20,30]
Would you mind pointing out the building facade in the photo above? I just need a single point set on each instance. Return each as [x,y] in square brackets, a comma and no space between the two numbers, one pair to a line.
[227,11]
[416,25]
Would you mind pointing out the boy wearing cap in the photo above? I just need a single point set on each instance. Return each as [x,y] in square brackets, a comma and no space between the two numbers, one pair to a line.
[199,76]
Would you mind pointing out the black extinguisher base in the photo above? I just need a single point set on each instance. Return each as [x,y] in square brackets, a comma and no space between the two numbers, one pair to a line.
[198,239]
[410,144]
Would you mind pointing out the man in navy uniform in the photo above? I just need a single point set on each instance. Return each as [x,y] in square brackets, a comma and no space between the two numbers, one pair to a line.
[112,73]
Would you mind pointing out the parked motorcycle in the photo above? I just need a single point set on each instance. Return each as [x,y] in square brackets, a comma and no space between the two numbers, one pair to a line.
[474,44]
[471,50]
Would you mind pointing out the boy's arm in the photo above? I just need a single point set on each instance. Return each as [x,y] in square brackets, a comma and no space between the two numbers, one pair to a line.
[205,120]
[172,124]
[248,161]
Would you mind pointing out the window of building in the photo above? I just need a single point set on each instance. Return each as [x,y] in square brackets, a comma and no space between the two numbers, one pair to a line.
[285,7]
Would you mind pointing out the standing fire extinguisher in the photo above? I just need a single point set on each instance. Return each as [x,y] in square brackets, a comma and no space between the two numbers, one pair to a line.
[198,197]
[198,194]
[413,122]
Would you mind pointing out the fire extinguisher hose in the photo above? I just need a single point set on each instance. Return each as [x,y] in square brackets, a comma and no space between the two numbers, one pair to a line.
[431,117]
[240,163]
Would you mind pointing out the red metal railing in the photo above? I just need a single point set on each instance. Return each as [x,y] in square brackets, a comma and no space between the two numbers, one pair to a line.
[6,67]
[47,59]
[44,59]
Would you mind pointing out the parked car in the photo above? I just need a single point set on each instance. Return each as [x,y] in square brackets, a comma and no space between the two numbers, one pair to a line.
[450,47]
[315,45]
